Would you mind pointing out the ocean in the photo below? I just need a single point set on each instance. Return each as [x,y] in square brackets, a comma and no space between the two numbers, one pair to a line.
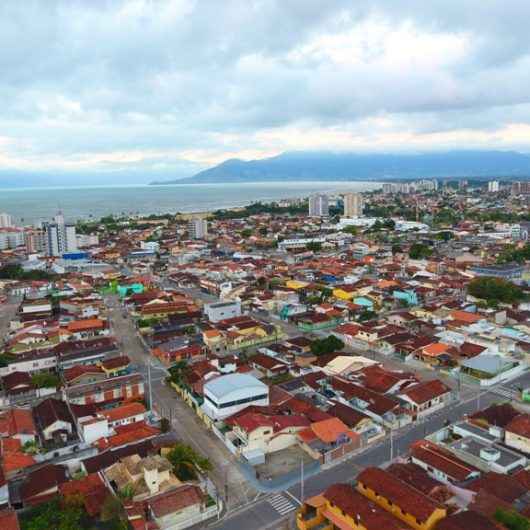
[32,205]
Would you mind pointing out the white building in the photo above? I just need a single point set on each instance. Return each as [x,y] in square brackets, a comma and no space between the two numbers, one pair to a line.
[222,310]
[318,205]
[87,240]
[197,228]
[228,394]
[353,205]
[287,244]
[6,220]
[493,186]
[60,237]
[11,238]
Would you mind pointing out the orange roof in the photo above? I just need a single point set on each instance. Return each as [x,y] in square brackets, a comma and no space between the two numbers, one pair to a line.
[134,432]
[124,411]
[433,350]
[15,461]
[81,325]
[329,430]
[465,316]
[383,284]
[9,519]
[210,333]
[11,445]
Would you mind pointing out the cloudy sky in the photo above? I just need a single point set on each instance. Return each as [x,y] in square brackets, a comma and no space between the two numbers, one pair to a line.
[169,87]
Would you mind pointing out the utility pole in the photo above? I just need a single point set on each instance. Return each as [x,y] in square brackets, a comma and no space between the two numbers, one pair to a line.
[391,445]
[150,387]
[302,481]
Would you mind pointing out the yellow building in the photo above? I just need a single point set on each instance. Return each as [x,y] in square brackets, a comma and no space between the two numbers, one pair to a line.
[341,506]
[345,292]
[399,499]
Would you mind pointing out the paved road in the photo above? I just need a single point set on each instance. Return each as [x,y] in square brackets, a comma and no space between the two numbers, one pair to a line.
[7,313]
[262,514]
[226,475]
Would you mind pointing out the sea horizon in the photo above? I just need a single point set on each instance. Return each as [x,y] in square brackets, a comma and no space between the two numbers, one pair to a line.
[30,205]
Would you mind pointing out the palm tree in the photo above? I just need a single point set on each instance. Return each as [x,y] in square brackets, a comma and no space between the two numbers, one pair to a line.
[187,462]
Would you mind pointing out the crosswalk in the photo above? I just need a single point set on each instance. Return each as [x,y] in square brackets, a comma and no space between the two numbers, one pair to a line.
[508,393]
[282,504]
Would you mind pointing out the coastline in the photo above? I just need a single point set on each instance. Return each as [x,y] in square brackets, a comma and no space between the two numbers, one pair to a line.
[27,206]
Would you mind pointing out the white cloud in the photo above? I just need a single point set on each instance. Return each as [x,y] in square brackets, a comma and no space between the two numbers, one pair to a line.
[177,85]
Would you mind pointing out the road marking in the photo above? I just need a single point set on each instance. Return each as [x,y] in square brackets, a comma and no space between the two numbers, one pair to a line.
[281,504]
[504,392]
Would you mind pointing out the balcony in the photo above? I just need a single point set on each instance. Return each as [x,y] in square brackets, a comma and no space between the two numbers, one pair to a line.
[309,519]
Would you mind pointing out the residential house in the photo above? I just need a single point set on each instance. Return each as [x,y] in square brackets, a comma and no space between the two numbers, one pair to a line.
[441,464]
[181,507]
[341,506]
[425,398]
[109,391]
[18,424]
[53,420]
[328,440]
[517,433]
[144,476]
[400,499]
[42,484]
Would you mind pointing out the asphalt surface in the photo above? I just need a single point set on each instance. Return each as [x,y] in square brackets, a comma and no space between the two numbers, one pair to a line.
[230,483]
[249,510]
[262,513]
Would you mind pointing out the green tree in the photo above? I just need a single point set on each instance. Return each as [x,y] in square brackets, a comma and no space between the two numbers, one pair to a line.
[187,462]
[45,380]
[445,235]
[111,508]
[247,232]
[512,520]
[52,515]
[419,251]
[495,290]
[314,246]
[353,230]
[328,345]
[366,314]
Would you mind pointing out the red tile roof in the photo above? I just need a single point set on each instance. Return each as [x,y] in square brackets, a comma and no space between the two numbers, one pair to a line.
[505,487]
[92,490]
[438,458]
[409,499]
[114,363]
[9,519]
[358,507]
[426,390]
[520,425]
[84,325]
[176,500]
[468,520]
[124,411]
[16,421]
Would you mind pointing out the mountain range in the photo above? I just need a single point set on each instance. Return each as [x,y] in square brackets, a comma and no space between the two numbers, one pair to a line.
[311,166]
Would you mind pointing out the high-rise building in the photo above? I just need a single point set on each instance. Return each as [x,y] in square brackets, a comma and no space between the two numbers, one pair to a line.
[520,188]
[493,186]
[59,236]
[6,220]
[197,228]
[35,241]
[353,205]
[318,205]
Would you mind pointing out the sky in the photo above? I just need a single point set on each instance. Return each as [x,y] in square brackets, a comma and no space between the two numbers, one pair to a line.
[144,88]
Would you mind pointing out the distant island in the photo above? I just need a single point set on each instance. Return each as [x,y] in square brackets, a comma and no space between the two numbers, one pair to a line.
[318,166]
